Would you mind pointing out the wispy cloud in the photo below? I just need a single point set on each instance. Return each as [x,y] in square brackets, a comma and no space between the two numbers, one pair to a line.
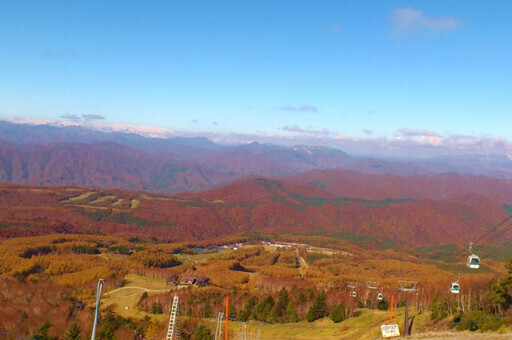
[92,117]
[454,143]
[366,131]
[298,129]
[412,21]
[195,121]
[301,108]
[418,132]
[73,118]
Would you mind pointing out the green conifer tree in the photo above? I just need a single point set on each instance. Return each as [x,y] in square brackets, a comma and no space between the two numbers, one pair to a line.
[248,308]
[232,311]
[42,332]
[338,313]
[291,313]
[318,309]
[263,309]
[278,313]
[501,296]
[74,332]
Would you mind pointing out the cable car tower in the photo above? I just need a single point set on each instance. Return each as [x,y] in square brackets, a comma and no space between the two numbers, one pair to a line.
[373,285]
[353,285]
[407,287]
[172,331]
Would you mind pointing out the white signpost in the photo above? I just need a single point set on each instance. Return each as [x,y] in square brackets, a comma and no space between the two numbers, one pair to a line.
[390,331]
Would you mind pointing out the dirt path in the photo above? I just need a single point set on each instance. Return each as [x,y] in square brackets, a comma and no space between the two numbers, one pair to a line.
[136,287]
[302,263]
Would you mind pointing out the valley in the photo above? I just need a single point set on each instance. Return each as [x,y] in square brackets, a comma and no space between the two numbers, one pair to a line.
[305,255]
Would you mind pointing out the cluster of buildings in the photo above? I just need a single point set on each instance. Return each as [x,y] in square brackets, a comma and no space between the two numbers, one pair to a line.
[234,246]
[188,280]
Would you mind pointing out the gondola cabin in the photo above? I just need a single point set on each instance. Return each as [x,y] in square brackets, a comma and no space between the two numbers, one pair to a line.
[473,261]
[380,297]
[455,287]
[353,294]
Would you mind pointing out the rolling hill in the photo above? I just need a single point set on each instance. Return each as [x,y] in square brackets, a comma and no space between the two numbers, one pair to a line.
[434,212]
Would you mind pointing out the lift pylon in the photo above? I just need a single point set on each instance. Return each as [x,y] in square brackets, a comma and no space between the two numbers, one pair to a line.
[218,330]
[172,330]
[407,287]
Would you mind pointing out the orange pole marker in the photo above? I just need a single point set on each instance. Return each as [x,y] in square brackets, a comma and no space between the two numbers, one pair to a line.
[227,315]
[391,309]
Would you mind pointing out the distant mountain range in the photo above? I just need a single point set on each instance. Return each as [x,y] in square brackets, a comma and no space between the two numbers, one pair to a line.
[193,189]
[49,155]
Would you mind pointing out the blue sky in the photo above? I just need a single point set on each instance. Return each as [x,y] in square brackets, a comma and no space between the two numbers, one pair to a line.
[365,76]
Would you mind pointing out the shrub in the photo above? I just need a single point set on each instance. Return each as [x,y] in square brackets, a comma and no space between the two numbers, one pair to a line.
[202,333]
[338,313]
[479,320]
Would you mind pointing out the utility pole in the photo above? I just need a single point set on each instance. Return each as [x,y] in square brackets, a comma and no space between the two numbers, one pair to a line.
[97,313]
[226,315]
[407,286]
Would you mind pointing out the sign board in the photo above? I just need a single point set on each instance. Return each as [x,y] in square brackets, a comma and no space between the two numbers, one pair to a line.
[389,331]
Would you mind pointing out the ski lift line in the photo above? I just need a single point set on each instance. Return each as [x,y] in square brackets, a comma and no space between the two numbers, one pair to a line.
[495,237]
[489,239]
[16,335]
[501,232]
[484,239]
[481,239]
[501,247]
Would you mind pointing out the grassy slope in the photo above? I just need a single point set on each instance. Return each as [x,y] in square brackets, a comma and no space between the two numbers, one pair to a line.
[130,294]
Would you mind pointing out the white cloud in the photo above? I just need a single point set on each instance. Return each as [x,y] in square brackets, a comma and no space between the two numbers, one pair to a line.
[431,140]
[410,21]
[417,143]
[418,132]
[298,129]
